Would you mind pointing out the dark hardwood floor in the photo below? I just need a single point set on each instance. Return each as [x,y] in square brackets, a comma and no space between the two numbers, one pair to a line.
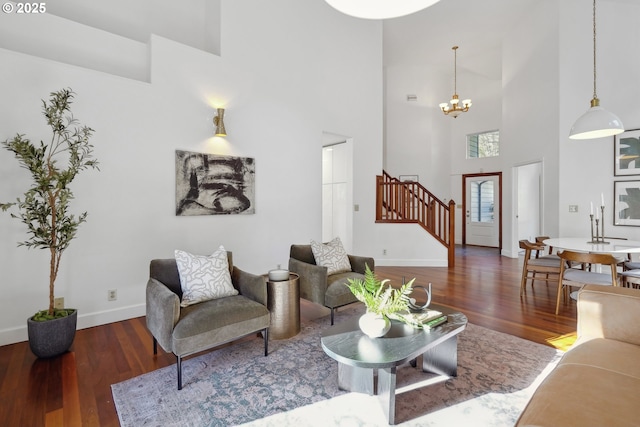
[74,389]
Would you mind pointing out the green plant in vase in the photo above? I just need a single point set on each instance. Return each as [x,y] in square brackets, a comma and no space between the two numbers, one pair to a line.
[44,207]
[381,300]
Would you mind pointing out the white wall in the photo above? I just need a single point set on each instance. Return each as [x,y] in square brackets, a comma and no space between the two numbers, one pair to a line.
[546,85]
[283,80]
[529,132]
[587,166]
[408,245]
[523,105]
[421,140]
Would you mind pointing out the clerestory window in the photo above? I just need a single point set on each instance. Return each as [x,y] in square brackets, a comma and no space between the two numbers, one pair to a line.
[483,144]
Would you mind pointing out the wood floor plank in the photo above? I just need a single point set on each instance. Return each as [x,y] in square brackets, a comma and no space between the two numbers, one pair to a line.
[71,394]
[54,418]
[75,389]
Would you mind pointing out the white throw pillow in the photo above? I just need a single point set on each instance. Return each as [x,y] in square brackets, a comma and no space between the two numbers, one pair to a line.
[331,255]
[204,278]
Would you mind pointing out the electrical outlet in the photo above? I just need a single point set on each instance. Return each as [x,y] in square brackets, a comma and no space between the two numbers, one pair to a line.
[384,252]
[58,303]
[112,294]
[573,208]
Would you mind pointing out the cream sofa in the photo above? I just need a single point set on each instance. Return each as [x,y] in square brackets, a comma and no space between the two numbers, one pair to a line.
[597,382]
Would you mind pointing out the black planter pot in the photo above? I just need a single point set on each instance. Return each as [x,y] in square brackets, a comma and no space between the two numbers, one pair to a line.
[53,337]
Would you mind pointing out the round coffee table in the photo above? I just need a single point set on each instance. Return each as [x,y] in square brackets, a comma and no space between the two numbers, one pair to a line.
[359,357]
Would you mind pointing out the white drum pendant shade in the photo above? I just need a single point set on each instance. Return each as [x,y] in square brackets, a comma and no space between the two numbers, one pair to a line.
[379,9]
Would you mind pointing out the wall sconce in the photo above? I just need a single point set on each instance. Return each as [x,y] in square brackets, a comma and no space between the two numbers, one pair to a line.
[219,122]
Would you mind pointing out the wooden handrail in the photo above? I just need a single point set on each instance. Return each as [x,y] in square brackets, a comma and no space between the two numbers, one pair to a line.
[410,202]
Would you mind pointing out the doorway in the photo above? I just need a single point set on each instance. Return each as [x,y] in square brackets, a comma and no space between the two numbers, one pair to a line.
[528,181]
[482,207]
[337,189]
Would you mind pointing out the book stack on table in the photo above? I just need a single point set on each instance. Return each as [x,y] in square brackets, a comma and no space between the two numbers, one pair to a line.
[426,319]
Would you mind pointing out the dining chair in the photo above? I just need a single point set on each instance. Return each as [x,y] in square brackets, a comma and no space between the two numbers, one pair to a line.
[540,241]
[574,277]
[622,258]
[550,266]
[630,278]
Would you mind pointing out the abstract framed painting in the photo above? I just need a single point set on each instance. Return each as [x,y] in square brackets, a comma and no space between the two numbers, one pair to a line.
[626,203]
[626,156]
[208,184]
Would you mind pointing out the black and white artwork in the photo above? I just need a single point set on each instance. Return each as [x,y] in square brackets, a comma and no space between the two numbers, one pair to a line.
[627,153]
[208,184]
[626,203]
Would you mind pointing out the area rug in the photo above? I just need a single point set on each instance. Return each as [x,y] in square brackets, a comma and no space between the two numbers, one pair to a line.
[296,384]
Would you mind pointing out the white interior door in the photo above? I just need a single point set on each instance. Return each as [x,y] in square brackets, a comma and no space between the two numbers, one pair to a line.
[336,192]
[482,211]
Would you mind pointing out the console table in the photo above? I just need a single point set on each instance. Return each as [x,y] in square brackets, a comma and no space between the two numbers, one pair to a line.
[359,357]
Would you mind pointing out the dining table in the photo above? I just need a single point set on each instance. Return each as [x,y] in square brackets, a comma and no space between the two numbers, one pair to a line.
[584,244]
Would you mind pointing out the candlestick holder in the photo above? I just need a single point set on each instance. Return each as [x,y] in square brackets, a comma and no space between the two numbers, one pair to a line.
[598,238]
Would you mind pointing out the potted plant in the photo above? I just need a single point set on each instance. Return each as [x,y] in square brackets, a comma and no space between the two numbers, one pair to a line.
[44,209]
[381,300]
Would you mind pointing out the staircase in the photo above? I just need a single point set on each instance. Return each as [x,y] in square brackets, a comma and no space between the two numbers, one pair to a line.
[411,203]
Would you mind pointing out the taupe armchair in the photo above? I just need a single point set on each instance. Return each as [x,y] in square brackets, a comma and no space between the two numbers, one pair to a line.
[319,287]
[188,330]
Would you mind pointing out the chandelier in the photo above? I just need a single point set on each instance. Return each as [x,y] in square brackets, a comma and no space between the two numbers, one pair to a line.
[454,108]
[379,9]
[596,122]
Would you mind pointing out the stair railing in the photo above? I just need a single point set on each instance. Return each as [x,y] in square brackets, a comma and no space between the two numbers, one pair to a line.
[410,202]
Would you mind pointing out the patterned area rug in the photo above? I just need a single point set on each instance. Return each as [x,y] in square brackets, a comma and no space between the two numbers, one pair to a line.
[297,385]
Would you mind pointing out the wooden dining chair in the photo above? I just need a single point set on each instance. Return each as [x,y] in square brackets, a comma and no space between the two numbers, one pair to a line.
[549,266]
[630,278]
[622,258]
[549,253]
[574,277]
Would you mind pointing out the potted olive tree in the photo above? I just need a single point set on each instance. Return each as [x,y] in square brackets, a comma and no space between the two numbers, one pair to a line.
[44,209]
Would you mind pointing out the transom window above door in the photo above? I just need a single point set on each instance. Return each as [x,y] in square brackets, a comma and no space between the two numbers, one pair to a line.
[483,144]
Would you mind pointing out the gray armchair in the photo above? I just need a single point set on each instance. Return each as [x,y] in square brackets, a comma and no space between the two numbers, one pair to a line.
[319,287]
[188,330]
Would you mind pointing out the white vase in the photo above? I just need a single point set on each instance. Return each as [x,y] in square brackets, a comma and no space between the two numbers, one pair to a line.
[374,325]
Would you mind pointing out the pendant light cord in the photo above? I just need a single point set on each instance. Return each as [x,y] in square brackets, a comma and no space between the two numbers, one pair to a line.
[455,68]
[595,96]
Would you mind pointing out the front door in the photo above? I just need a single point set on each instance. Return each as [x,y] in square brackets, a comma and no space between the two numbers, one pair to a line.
[482,210]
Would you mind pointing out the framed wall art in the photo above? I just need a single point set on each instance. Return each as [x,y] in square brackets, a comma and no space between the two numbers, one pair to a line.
[626,203]
[626,154]
[208,184]
[408,178]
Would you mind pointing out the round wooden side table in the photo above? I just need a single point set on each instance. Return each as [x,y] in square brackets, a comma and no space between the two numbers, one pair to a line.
[283,302]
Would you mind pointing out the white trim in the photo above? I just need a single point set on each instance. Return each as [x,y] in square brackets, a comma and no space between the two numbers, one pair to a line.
[509,254]
[19,334]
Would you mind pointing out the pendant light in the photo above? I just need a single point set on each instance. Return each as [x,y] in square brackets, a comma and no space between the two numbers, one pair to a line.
[379,9]
[453,108]
[596,122]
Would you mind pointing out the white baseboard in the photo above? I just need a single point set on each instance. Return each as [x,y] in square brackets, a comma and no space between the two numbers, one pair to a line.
[412,262]
[510,254]
[14,335]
